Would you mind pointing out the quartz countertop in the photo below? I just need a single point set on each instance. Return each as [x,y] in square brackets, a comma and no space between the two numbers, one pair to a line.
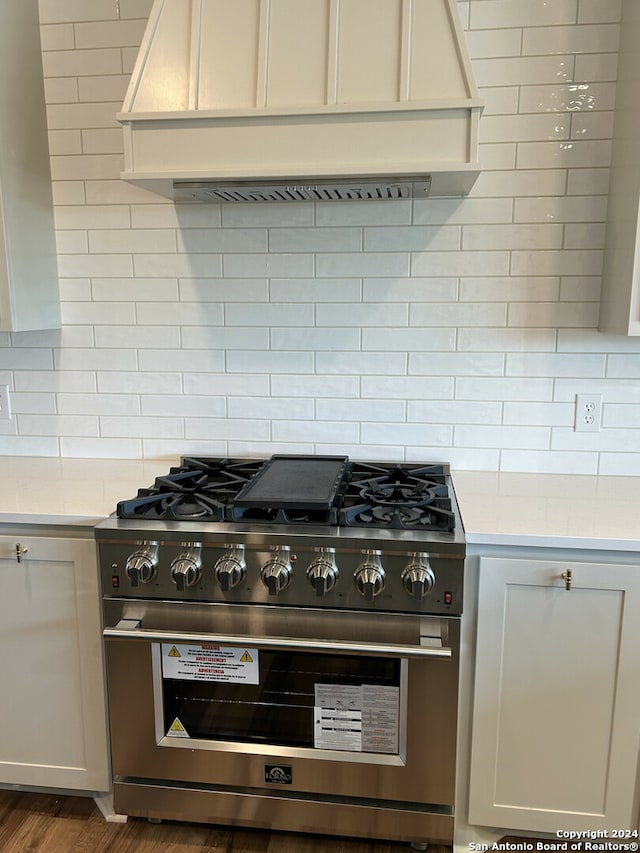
[38,490]
[545,510]
[549,510]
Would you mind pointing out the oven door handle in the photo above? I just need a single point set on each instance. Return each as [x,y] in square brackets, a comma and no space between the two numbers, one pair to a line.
[128,629]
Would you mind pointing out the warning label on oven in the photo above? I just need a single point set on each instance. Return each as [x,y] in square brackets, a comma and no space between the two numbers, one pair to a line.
[209,662]
[356,718]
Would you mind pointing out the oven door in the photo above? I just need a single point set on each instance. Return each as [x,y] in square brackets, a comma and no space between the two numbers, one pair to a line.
[329,703]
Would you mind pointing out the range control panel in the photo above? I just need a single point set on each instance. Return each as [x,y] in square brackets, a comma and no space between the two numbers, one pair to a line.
[283,574]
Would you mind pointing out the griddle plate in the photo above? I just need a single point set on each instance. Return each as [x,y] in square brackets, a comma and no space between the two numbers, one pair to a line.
[295,482]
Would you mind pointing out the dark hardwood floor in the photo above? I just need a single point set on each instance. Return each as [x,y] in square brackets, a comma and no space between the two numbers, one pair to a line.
[48,823]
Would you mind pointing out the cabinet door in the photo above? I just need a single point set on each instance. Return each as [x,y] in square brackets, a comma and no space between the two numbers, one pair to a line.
[556,712]
[52,701]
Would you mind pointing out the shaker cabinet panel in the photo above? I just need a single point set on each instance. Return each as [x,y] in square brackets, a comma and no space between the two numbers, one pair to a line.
[556,713]
[52,702]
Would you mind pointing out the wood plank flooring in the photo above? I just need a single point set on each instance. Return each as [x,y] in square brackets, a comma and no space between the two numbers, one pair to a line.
[49,823]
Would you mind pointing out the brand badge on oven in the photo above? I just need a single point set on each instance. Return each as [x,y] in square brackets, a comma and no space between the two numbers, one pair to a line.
[278,774]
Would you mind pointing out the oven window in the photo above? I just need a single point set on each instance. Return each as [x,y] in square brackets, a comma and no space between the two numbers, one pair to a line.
[282,698]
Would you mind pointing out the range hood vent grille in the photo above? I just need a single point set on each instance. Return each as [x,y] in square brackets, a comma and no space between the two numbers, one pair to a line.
[258,191]
[234,101]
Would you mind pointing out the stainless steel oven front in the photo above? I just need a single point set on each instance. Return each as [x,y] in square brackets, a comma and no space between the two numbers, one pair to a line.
[312,719]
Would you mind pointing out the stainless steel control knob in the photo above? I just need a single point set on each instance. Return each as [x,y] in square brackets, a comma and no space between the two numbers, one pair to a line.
[418,578]
[369,576]
[323,572]
[185,569]
[140,566]
[230,568]
[276,572]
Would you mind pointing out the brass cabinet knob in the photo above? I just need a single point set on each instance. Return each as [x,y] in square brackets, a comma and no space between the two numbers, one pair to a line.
[567,577]
[20,552]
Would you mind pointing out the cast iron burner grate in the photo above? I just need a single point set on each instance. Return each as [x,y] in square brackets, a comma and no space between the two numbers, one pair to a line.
[198,490]
[398,497]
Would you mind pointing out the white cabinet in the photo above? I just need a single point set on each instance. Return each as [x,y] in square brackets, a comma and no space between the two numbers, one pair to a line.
[556,708]
[29,297]
[52,701]
[620,300]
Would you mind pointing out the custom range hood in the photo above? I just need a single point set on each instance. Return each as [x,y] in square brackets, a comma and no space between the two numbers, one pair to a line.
[284,100]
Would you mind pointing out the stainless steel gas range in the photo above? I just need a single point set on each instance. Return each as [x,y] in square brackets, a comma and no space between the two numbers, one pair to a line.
[282,639]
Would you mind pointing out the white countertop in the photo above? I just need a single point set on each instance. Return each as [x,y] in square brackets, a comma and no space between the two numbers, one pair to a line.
[37,490]
[549,510]
[546,510]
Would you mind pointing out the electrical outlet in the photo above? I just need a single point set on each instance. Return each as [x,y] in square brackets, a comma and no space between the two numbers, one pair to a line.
[588,415]
[5,403]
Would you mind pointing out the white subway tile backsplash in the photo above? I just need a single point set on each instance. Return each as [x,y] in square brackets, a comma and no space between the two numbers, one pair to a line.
[519,437]
[225,385]
[83,266]
[74,63]
[412,340]
[226,428]
[458,314]
[456,364]
[77,381]
[554,364]
[365,411]
[516,186]
[538,414]
[407,388]
[459,263]
[362,363]
[273,314]
[91,313]
[274,408]
[452,329]
[316,339]
[56,36]
[98,404]
[256,361]
[409,289]
[267,265]
[109,34]
[224,290]
[158,405]
[525,71]
[222,240]
[525,127]
[122,241]
[434,435]
[554,314]
[95,359]
[362,264]
[454,412]
[362,314]
[180,314]
[69,425]
[178,266]
[509,289]
[494,43]
[497,14]
[569,97]
[561,209]
[588,38]
[137,382]
[567,262]
[553,155]
[411,238]
[507,340]
[477,237]
[599,11]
